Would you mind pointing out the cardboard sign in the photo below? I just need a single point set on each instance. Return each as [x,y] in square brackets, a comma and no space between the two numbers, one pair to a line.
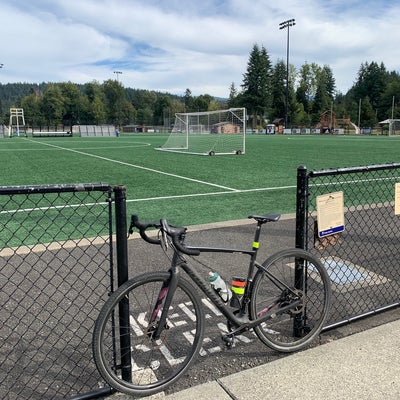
[397,199]
[330,214]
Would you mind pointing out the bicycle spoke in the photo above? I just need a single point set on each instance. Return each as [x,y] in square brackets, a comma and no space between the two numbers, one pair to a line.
[154,364]
[294,288]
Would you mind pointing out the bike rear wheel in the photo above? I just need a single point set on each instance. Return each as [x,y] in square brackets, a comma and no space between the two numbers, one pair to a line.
[285,277]
[152,365]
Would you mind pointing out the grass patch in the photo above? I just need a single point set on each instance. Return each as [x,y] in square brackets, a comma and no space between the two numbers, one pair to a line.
[189,189]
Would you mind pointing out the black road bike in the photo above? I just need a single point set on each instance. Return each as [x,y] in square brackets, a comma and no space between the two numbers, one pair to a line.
[150,330]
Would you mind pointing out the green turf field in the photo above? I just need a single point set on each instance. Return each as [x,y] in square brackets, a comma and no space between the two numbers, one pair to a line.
[189,189]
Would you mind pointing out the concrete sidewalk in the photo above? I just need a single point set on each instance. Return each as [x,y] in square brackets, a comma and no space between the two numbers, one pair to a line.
[365,365]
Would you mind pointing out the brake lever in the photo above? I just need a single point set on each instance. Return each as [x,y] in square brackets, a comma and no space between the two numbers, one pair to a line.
[164,239]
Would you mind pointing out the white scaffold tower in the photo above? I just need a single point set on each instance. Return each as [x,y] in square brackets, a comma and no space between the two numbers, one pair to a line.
[17,122]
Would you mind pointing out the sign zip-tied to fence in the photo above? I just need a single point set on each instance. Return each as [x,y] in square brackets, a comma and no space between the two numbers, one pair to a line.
[397,199]
[330,214]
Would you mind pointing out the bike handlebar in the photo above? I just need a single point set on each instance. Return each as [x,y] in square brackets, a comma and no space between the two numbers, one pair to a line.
[177,234]
[142,227]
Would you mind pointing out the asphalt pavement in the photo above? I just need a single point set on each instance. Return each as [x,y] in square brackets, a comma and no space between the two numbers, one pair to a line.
[361,365]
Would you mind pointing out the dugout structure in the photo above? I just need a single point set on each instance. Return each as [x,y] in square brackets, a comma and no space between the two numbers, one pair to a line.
[208,133]
[97,130]
[394,126]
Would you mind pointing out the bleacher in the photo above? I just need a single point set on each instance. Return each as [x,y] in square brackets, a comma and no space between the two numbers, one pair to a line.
[51,134]
[96,130]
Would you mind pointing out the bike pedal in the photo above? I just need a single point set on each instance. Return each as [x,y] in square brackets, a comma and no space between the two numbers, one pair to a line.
[228,340]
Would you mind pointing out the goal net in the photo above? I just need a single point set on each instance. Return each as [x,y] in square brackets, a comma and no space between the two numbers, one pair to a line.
[208,133]
[394,127]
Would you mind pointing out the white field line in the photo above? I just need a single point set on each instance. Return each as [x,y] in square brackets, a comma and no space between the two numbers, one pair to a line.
[182,196]
[139,167]
[77,148]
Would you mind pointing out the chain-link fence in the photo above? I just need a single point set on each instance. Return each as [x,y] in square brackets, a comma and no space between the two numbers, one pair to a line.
[363,260]
[55,261]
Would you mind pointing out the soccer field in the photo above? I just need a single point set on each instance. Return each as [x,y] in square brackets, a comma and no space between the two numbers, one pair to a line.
[189,189]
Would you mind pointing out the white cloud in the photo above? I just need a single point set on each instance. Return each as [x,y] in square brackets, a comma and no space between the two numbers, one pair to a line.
[173,45]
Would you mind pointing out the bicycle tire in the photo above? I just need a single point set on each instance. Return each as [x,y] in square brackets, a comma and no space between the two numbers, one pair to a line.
[155,364]
[298,327]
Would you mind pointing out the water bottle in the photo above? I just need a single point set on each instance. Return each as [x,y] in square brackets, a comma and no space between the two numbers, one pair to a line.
[219,286]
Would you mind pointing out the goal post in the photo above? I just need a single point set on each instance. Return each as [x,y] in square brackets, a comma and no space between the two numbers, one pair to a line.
[394,127]
[17,122]
[208,133]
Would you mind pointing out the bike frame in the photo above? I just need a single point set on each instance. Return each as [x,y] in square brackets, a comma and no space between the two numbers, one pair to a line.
[241,319]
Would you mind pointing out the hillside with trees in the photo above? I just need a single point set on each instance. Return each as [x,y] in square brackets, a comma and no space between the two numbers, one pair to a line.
[311,91]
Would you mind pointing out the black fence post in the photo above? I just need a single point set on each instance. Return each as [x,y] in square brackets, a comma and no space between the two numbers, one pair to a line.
[122,267]
[301,209]
[121,234]
[301,206]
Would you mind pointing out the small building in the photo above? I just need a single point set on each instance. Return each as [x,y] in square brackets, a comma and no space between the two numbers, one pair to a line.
[138,128]
[279,125]
[270,129]
[225,127]
[327,122]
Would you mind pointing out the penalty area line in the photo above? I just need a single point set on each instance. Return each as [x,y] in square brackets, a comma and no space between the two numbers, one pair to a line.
[183,196]
[140,167]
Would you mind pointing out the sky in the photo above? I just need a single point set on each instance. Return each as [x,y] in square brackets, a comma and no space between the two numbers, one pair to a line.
[201,45]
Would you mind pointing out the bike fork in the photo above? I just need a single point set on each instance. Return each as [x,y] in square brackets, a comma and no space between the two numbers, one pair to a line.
[163,304]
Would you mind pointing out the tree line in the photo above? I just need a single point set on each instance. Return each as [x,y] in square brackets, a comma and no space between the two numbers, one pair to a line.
[311,91]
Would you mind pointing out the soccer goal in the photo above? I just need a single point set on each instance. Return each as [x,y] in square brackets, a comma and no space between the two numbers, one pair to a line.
[394,127]
[208,133]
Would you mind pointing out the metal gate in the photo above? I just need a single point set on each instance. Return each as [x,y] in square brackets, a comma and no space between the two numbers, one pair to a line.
[55,263]
[363,260]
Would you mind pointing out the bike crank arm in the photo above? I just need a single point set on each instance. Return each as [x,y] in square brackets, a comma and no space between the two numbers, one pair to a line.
[246,326]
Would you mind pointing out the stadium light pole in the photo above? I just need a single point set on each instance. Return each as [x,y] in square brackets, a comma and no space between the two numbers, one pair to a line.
[286,25]
[117,73]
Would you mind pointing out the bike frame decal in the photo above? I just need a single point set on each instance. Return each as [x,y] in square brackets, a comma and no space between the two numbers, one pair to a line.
[157,307]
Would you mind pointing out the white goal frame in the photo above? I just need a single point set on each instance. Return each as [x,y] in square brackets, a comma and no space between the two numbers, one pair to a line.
[219,132]
[16,114]
[394,127]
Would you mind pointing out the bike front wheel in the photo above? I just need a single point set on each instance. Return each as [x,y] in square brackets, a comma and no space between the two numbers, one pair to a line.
[125,351]
[292,276]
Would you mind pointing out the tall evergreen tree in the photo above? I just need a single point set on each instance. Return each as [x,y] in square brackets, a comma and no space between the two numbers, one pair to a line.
[257,83]
[330,82]
[188,100]
[278,92]
[372,80]
[233,93]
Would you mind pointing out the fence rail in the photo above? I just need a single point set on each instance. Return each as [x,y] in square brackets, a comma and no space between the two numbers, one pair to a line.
[363,260]
[55,263]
